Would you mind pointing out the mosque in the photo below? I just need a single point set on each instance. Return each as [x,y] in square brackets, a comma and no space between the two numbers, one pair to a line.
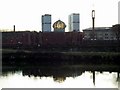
[59,26]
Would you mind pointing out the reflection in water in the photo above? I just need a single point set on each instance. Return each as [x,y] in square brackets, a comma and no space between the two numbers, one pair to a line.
[94,77]
[58,77]
[58,74]
[118,83]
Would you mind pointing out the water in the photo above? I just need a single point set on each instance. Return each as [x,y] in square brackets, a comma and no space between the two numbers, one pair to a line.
[58,78]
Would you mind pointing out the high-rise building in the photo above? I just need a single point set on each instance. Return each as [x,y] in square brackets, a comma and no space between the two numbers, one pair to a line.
[119,12]
[46,23]
[74,22]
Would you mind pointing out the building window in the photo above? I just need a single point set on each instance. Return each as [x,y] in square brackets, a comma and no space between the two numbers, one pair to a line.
[106,37]
[106,34]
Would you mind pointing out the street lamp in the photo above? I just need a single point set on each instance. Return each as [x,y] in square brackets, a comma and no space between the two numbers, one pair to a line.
[93,23]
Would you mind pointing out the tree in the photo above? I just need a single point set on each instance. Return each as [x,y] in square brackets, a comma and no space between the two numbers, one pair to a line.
[116,28]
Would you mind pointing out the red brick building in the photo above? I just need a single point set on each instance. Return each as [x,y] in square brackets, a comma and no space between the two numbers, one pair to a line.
[41,39]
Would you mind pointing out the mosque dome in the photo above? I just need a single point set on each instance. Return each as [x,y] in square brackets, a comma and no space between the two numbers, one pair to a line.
[59,25]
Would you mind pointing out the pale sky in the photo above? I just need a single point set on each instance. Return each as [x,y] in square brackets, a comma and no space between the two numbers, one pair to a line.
[26,14]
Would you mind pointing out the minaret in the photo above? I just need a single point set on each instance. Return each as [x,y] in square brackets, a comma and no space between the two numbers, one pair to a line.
[93,24]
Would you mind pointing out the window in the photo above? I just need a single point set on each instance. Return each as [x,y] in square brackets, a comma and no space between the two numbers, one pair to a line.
[111,34]
[106,34]
[106,37]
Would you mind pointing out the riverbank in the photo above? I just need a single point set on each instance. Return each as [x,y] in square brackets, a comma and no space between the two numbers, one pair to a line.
[55,58]
[110,68]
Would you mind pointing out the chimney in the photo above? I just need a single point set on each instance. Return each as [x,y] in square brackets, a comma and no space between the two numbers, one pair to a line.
[14,28]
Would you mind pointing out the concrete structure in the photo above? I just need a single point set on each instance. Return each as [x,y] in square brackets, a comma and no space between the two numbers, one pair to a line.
[74,22]
[46,23]
[59,26]
[119,12]
[101,33]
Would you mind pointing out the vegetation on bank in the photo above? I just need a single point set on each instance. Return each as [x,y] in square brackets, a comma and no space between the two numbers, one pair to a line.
[45,58]
[92,53]
[26,59]
[13,50]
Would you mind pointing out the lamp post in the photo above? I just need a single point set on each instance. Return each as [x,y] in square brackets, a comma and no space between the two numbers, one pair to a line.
[93,24]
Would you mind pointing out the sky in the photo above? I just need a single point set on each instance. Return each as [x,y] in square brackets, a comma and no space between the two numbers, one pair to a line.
[26,14]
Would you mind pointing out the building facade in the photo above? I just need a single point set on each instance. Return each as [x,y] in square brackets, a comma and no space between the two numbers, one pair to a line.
[101,33]
[16,38]
[46,23]
[74,22]
[28,39]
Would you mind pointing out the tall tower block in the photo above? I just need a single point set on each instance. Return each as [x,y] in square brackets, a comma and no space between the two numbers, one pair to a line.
[74,22]
[119,12]
[46,23]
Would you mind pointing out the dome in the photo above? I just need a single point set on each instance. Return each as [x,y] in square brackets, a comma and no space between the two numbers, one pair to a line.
[59,25]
